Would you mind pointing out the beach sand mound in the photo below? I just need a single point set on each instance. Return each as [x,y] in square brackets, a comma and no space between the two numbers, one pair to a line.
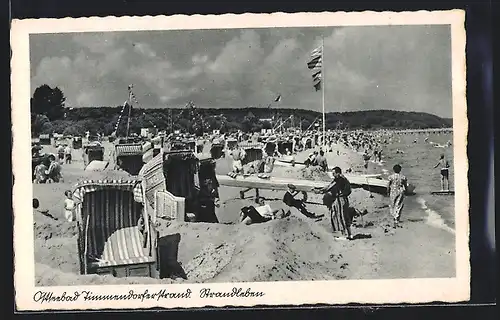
[285,249]
[293,248]
[313,173]
[308,173]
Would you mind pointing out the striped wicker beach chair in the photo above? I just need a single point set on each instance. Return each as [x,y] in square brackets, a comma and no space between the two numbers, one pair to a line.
[129,157]
[115,233]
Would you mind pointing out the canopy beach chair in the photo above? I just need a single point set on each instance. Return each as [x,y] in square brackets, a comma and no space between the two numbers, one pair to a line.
[115,233]
[129,157]
[91,153]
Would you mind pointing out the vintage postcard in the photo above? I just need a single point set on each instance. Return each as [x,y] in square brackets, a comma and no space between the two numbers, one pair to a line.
[240,160]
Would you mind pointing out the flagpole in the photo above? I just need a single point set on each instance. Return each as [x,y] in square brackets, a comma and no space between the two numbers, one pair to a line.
[129,108]
[323,78]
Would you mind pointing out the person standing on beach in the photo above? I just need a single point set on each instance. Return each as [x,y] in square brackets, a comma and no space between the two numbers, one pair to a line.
[238,155]
[209,200]
[379,153]
[321,161]
[69,206]
[60,153]
[366,158]
[40,173]
[397,189]
[445,166]
[336,198]
[54,171]
[67,153]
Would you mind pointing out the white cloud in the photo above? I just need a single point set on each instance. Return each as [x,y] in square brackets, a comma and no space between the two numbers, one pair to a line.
[410,65]
[144,49]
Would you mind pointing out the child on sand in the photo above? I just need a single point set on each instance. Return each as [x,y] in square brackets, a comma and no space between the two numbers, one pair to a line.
[69,206]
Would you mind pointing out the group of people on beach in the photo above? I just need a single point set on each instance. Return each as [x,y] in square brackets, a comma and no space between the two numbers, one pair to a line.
[335,198]
[317,159]
[336,194]
[49,170]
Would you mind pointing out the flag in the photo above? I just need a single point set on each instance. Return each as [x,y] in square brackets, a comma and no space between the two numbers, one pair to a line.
[315,64]
[278,98]
[317,86]
[316,76]
[316,58]
[316,52]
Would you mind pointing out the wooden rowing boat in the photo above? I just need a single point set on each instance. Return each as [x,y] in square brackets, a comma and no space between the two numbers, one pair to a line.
[276,183]
[300,165]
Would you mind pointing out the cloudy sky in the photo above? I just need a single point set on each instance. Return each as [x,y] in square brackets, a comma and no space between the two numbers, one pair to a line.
[380,67]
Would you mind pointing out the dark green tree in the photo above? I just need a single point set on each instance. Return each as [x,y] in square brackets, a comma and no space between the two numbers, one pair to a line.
[49,102]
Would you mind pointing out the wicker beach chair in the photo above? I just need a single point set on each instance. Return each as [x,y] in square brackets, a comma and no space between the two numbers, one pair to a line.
[129,157]
[115,234]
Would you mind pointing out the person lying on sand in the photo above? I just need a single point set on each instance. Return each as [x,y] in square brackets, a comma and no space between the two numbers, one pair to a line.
[36,205]
[262,213]
[299,204]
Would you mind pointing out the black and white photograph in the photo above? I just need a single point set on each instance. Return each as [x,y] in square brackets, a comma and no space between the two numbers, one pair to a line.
[231,161]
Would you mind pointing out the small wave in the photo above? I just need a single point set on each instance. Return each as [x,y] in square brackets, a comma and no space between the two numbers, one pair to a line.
[434,218]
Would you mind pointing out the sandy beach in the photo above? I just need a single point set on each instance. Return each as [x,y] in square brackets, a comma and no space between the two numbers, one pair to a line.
[293,248]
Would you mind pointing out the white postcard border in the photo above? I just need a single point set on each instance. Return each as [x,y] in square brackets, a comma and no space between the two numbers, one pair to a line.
[275,293]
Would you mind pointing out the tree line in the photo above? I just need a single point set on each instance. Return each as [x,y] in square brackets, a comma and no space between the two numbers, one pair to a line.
[50,115]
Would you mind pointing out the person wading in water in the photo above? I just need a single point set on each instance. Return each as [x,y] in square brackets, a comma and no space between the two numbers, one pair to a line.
[445,168]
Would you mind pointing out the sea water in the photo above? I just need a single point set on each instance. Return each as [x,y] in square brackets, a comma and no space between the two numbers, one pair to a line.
[418,160]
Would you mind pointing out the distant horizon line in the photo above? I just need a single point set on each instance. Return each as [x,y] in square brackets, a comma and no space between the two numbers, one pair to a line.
[261,107]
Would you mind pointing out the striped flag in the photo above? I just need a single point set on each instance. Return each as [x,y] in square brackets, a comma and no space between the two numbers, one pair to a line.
[315,64]
[316,58]
[317,86]
[316,76]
